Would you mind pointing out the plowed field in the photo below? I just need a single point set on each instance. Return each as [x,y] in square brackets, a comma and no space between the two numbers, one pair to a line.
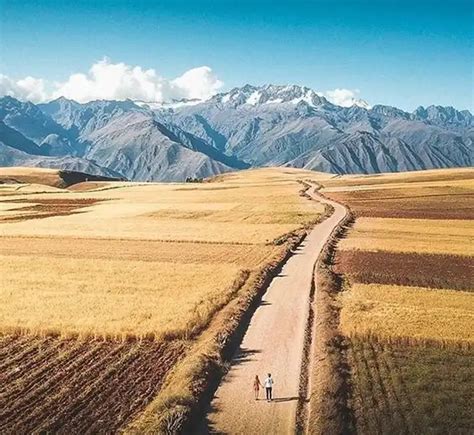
[74,386]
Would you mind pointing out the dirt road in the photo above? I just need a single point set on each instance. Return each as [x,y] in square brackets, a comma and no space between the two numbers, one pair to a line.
[273,344]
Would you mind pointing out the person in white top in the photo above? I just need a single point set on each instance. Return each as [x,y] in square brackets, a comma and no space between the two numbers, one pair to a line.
[268,383]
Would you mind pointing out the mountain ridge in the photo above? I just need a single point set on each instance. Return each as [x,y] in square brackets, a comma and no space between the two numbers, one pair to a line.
[250,126]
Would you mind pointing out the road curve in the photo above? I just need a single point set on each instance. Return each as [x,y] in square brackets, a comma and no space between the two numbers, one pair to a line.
[273,344]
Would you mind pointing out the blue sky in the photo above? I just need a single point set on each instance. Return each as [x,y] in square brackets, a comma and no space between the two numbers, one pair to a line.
[395,52]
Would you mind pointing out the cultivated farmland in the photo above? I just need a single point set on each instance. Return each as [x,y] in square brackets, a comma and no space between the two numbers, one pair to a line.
[106,287]
[405,306]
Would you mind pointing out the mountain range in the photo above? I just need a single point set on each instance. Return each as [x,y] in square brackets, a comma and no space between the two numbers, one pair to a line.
[246,127]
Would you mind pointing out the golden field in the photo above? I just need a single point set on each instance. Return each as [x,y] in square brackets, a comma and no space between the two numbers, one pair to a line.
[117,297]
[145,260]
[21,178]
[413,311]
[391,311]
[226,212]
[387,180]
[412,235]
[111,298]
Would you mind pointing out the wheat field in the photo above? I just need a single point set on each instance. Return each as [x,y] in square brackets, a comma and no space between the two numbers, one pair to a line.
[251,212]
[111,298]
[140,260]
[381,307]
[391,311]
[115,295]
[412,235]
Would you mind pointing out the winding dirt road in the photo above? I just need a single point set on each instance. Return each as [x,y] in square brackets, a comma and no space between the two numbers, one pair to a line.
[273,344]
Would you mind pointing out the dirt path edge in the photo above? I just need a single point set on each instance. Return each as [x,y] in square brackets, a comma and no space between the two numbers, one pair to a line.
[325,390]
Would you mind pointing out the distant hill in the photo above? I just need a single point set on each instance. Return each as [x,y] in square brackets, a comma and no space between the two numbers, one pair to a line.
[48,177]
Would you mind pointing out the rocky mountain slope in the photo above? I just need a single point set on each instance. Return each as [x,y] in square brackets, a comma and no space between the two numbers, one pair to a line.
[292,125]
[248,126]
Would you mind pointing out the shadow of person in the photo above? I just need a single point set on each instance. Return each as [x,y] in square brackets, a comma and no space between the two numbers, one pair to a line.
[284,399]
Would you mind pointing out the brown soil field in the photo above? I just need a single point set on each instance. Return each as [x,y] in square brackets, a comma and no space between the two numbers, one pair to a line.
[42,208]
[453,272]
[400,388]
[420,203]
[51,385]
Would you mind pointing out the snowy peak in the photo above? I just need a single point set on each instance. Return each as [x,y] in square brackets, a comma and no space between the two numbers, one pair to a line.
[269,94]
[173,104]
[360,103]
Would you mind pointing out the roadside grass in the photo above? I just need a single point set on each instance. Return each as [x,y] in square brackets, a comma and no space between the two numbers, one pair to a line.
[411,388]
[189,386]
[454,272]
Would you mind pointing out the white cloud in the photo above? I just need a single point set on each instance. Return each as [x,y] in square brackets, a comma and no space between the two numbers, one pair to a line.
[29,88]
[116,81]
[200,83]
[345,97]
[106,80]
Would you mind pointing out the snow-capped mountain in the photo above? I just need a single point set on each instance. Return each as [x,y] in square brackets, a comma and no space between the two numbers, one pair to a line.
[294,125]
[248,126]
[269,95]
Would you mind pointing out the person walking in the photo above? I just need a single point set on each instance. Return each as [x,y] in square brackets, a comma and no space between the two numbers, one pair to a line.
[268,387]
[256,386]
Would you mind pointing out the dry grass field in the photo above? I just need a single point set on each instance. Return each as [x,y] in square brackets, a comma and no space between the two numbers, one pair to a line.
[147,237]
[429,236]
[18,176]
[407,309]
[391,311]
[105,286]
